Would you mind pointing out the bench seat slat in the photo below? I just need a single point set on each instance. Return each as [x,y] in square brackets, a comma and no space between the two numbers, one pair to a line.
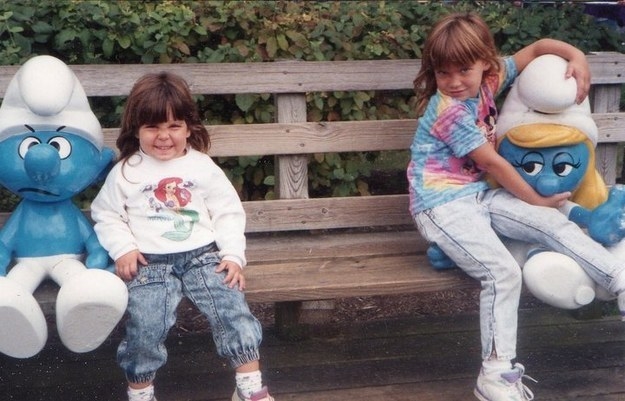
[349,277]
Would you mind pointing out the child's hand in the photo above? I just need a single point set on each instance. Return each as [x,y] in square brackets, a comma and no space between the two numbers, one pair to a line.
[234,276]
[578,68]
[555,200]
[126,265]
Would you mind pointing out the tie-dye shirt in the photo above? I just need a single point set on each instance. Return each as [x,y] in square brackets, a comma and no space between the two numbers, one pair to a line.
[440,170]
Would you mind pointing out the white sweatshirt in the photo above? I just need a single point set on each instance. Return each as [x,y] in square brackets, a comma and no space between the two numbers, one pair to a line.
[169,206]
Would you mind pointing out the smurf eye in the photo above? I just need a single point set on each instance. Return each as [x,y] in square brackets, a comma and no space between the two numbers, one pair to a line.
[62,145]
[563,169]
[564,163]
[532,168]
[26,144]
[531,164]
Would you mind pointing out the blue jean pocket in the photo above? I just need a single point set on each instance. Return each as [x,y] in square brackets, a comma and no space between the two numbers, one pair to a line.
[152,274]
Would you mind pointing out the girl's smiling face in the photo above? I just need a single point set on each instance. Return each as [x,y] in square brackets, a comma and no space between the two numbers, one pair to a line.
[166,140]
[461,81]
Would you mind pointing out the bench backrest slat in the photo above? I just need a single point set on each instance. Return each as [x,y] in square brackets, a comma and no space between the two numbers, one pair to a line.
[338,136]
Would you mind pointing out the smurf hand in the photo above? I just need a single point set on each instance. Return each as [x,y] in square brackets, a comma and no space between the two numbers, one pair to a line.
[97,259]
[607,222]
[439,259]
[5,258]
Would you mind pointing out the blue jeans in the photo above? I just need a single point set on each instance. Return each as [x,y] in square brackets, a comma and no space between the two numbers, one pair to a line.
[467,231]
[154,295]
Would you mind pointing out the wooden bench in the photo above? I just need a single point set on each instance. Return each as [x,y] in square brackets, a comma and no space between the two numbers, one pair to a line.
[304,249]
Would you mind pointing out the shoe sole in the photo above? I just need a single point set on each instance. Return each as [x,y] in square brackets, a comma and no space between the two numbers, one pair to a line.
[479,395]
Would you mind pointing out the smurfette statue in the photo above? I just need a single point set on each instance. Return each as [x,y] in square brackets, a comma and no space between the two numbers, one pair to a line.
[51,148]
[551,140]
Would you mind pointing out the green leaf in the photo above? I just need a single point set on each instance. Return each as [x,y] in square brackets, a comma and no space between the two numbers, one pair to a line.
[283,44]
[297,38]
[107,47]
[66,35]
[245,101]
[124,41]
[270,180]
[272,47]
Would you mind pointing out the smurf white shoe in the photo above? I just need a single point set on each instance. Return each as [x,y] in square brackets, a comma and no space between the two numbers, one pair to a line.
[88,308]
[558,280]
[24,331]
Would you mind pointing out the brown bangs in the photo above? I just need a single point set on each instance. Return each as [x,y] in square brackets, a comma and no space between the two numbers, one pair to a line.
[154,106]
[452,53]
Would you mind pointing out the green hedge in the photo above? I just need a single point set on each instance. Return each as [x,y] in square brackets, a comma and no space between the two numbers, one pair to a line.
[90,31]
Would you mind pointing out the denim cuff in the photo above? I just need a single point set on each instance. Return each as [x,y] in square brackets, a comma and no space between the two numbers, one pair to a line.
[142,378]
[247,357]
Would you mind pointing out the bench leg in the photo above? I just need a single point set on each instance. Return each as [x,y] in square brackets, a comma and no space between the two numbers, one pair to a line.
[286,319]
[294,319]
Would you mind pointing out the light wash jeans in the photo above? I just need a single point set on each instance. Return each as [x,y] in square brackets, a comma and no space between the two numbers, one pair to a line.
[156,292]
[466,230]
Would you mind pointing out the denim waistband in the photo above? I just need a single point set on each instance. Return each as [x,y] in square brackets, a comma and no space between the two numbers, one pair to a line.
[193,253]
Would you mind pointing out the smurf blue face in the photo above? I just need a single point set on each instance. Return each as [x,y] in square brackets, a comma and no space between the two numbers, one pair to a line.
[50,166]
[548,170]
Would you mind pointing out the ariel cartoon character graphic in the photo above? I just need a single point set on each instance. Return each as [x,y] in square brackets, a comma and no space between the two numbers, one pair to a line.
[172,195]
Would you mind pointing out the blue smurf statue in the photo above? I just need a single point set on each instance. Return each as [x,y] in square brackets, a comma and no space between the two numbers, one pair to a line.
[51,148]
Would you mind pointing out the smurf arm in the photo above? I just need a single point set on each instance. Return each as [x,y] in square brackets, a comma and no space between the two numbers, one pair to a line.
[578,215]
[7,235]
[605,223]
[97,257]
[5,258]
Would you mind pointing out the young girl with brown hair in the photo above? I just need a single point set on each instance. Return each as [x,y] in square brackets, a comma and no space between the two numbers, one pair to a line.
[174,225]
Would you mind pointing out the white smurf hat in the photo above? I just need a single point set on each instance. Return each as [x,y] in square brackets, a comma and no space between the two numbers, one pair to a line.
[45,94]
[542,95]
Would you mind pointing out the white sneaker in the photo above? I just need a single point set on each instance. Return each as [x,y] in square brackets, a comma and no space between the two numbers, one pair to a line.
[504,387]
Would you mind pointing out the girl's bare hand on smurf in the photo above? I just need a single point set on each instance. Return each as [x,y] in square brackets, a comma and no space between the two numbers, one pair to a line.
[579,69]
[235,277]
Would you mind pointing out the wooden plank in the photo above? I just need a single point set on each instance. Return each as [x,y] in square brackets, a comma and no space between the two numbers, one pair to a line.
[304,246]
[291,172]
[349,277]
[327,213]
[303,137]
[606,99]
[338,136]
[610,125]
[606,67]
[284,76]
[227,78]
